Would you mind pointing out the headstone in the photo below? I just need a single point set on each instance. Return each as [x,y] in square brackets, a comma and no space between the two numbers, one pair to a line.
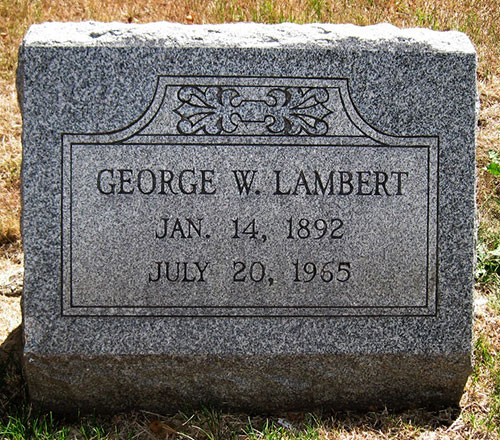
[258,217]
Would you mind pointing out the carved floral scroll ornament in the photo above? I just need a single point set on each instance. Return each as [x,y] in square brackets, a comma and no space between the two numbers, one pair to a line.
[219,110]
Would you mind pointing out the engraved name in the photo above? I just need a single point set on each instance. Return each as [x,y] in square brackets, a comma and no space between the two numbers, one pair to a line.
[126,181]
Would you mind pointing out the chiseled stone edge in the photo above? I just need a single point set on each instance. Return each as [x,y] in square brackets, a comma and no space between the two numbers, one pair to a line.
[244,35]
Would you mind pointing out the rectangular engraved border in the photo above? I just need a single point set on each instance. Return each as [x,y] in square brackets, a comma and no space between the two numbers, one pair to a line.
[68,309]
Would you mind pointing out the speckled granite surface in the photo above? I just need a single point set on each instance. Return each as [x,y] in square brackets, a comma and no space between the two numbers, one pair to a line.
[261,217]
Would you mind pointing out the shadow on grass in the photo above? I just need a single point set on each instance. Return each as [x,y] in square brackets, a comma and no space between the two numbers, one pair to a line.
[11,382]
[212,424]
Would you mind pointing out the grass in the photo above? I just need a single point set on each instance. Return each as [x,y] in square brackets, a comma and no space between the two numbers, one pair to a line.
[479,416]
[209,424]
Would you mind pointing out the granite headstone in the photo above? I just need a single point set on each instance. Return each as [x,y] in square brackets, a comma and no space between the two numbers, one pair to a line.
[259,217]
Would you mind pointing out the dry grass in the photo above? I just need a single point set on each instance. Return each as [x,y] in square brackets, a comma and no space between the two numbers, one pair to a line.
[10,163]
[480,19]
[488,140]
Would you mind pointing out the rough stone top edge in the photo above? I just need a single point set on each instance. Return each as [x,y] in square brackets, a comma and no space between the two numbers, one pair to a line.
[244,35]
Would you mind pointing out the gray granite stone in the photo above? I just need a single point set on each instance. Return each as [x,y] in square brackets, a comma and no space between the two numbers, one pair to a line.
[260,217]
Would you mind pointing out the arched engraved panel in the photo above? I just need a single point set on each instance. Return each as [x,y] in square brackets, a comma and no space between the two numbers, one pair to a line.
[212,155]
